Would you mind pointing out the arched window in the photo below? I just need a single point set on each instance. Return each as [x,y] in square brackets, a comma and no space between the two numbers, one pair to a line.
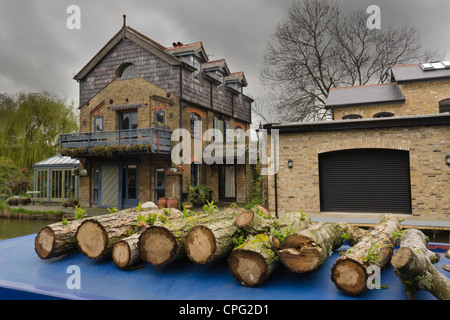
[196,125]
[351,117]
[383,115]
[444,105]
[239,134]
[126,71]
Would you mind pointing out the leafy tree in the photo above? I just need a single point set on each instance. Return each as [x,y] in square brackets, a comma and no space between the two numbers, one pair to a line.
[30,124]
[318,47]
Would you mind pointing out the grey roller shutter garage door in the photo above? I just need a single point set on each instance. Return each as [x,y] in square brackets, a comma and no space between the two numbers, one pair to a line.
[365,180]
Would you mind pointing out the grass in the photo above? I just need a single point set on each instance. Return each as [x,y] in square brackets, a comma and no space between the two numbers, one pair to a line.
[4,206]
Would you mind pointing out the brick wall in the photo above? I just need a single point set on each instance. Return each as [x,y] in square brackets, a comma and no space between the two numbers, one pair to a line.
[298,188]
[421,98]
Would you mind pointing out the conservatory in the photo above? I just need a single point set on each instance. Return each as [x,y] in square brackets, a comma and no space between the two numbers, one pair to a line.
[55,179]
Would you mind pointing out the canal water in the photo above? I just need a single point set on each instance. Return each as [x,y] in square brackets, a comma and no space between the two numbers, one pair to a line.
[11,228]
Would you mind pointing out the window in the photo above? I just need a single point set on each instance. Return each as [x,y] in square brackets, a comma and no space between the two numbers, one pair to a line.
[128,120]
[228,132]
[351,117]
[98,124]
[196,125]
[239,134]
[159,117]
[383,115]
[221,79]
[197,74]
[444,105]
[126,71]
[195,174]
[219,130]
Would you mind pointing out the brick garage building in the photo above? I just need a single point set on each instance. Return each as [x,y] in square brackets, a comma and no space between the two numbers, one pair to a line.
[133,93]
[386,150]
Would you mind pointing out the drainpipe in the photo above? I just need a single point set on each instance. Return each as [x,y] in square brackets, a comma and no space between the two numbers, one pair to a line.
[275,178]
[181,126]
[269,131]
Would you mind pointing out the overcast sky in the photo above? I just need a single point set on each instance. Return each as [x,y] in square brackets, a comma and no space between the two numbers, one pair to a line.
[38,51]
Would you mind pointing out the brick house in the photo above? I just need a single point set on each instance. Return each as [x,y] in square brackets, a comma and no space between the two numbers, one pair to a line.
[386,149]
[133,93]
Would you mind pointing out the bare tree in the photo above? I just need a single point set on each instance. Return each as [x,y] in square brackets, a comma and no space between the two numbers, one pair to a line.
[318,47]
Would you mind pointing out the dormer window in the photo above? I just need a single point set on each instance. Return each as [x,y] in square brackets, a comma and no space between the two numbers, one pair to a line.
[444,106]
[384,115]
[126,71]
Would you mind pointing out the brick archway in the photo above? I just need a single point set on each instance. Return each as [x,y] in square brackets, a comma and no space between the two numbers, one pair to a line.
[363,143]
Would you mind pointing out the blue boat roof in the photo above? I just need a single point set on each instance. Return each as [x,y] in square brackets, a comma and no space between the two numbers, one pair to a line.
[23,275]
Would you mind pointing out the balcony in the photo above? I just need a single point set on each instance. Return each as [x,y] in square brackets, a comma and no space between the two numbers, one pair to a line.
[106,143]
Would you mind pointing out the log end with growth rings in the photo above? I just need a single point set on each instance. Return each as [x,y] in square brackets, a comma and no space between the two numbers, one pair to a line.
[249,268]
[244,219]
[157,245]
[44,243]
[92,239]
[121,254]
[300,254]
[349,276]
[200,244]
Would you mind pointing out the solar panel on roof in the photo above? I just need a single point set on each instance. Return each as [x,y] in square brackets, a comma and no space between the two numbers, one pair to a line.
[446,64]
[437,65]
[426,66]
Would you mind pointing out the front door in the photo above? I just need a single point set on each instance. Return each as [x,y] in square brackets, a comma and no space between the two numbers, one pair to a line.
[227,183]
[130,189]
[109,186]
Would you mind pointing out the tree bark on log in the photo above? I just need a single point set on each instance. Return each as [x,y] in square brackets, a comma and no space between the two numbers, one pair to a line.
[307,250]
[96,237]
[125,253]
[349,272]
[165,242]
[57,239]
[253,223]
[413,264]
[253,262]
[212,241]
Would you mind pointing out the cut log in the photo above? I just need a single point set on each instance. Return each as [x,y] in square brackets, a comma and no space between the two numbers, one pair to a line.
[413,264]
[253,262]
[209,242]
[165,242]
[349,272]
[96,237]
[125,253]
[307,251]
[57,239]
[254,223]
[290,223]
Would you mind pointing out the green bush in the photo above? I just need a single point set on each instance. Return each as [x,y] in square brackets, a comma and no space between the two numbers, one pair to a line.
[13,180]
[199,195]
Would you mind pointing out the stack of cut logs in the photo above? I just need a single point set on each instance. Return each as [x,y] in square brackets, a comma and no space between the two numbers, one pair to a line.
[254,242]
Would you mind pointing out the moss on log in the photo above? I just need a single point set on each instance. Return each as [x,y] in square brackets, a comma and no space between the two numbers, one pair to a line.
[253,262]
[413,264]
[165,242]
[349,272]
[307,250]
